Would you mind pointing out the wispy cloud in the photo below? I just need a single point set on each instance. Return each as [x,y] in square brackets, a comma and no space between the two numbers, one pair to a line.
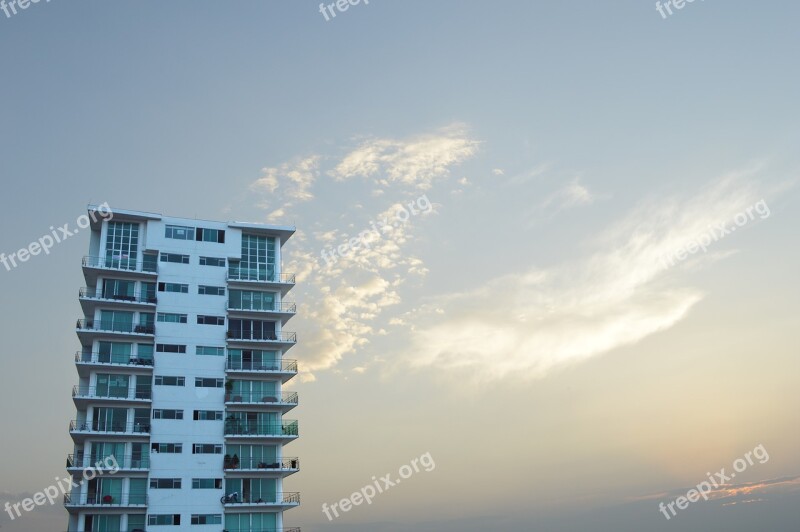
[552,317]
[286,185]
[351,294]
[416,162]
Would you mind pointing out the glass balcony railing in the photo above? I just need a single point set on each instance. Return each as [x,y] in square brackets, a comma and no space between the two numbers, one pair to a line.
[114,326]
[235,427]
[289,398]
[134,498]
[81,460]
[262,336]
[88,357]
[235,463]
[110,427]
[105,392]
[266,499]
[244,274]
[287,307]
[120,263]
[287,366]
[93,293]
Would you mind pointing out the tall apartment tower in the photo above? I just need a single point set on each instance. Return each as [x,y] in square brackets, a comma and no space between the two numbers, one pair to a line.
[181,401]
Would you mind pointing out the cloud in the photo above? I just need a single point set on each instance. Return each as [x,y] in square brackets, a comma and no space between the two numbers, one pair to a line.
[286,185]
[553,317]
[416,162]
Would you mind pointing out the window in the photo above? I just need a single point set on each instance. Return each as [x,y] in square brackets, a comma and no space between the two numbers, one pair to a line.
[210,320]
[212,261]
[170,348]
[252,330]
[211,290]
[208,415]
[211,351]
[166,317]
[165,483]
[207,519]
[173,287]
[162,380]
[208,383]
[210,235]
[206,448]
[174,257]
[250,300]
[163,519]
[179,232]
[170,448]
[258,259]
[122,245]
[207,484]
[167,414]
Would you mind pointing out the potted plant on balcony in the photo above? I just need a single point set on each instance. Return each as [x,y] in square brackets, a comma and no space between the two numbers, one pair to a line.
[108,499]
[226,461]
[228,389]
[235,461]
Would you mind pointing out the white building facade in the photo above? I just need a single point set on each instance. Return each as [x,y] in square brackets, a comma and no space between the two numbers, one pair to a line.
[180,400]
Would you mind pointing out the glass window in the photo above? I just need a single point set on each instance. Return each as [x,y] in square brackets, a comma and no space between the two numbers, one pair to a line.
[170,348]
[212,261]
[179,232]
[210,320]
[122,245]
[206,484]
[210,235]
[163,380]
[166,317]
[175,258]
[208,350]
[173,287]
[211,290]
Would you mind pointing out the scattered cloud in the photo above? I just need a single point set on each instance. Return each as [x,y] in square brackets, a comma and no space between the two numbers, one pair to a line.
[415,162]
[552,317]
[286,185]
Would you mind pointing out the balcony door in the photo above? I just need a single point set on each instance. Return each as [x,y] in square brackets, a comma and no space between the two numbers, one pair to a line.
[112,385]
[115,320]
[110,419]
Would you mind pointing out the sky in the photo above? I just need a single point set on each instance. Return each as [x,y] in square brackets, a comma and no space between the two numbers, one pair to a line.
[550,246]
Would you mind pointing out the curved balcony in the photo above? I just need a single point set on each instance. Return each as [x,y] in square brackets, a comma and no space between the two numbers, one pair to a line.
[78,501]
[282,340]
[87,361]
[112,266]
[277,311]
[82,395]
[89,329]
[283,500]
[91,298]
[284,368]
[83,430]
[250,278]
[281,468]
[81,461]
[285,431]
[284,401]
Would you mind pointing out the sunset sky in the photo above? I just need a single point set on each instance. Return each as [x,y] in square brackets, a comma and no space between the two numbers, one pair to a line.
[565,236]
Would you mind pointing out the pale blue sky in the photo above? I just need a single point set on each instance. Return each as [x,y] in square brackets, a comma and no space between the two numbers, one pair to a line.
[520,332]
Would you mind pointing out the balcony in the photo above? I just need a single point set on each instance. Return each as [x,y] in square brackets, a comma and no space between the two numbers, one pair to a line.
[277,311]
[87,361]
[82,395]
[284,401]
[91,298]
[283,467]
[111,266]
[77,501]
[80,461]
[281,500]
[83,430]
[89,329]
[245,277]
[237,429]
[284,340]
[286,369]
